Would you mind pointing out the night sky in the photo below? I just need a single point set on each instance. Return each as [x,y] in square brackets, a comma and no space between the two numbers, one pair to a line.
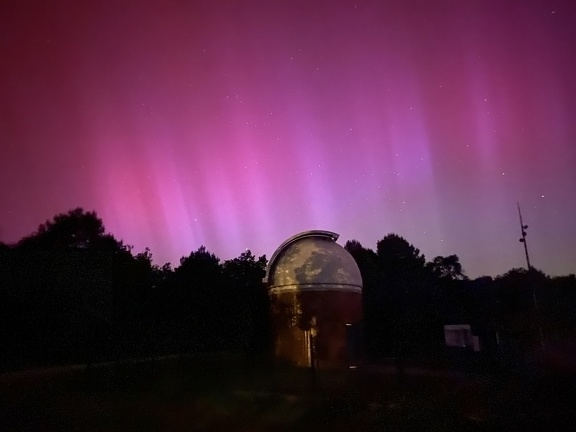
[236,124]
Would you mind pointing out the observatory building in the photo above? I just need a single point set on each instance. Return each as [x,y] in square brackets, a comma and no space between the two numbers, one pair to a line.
[315,291]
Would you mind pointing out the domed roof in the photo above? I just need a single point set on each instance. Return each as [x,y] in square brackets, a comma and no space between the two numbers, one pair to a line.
[313,260]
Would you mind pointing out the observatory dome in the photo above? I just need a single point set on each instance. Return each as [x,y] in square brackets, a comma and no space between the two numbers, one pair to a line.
[313,261]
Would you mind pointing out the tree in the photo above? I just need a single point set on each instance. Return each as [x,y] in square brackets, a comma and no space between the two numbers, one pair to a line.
[451,296]
[192,302]
[407,298]
[397,256]
[62,289]
[447,268]
[520,319]
[78,294]
[76,229]
[247,302]
[373,298]
[246,269]
[201,261]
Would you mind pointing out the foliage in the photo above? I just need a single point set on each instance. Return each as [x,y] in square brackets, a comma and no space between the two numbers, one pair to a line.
[447,268]
[76,229]
[249,301]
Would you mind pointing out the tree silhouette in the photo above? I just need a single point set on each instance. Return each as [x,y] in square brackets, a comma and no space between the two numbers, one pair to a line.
[447,267]
[77,293]
[451,296]
[195,292]
[403,278]
[247,302]
[520,321]
[76,229]
[373,298]
[61,290]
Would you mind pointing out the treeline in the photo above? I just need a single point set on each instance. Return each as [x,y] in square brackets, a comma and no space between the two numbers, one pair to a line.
[72,293]
[521,319]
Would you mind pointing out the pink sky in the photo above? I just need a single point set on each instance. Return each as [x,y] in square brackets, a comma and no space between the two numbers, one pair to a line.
[236,124]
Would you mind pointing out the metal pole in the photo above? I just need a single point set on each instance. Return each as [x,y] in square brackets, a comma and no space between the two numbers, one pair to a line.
[523,229]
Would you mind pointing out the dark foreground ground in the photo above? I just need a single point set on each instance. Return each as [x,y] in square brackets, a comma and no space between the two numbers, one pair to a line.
[229,393]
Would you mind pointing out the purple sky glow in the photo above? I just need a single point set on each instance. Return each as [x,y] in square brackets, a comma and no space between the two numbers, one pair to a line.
[236,124]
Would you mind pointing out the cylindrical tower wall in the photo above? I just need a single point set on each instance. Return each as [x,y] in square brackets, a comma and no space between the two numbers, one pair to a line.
[334,312]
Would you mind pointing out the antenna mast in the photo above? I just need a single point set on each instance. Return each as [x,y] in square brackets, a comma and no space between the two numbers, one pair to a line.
[523,229]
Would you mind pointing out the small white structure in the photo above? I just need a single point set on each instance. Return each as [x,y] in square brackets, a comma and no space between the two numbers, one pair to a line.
[458,335]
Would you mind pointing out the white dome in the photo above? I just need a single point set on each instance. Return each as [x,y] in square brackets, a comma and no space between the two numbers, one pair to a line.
[312,260]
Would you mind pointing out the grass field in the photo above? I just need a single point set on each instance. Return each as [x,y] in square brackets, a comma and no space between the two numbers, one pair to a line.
[223,392]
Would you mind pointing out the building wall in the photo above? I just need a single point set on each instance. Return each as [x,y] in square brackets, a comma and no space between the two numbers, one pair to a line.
[293,315]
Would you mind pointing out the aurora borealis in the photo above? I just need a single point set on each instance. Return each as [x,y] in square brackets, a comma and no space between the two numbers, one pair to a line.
[236,124]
